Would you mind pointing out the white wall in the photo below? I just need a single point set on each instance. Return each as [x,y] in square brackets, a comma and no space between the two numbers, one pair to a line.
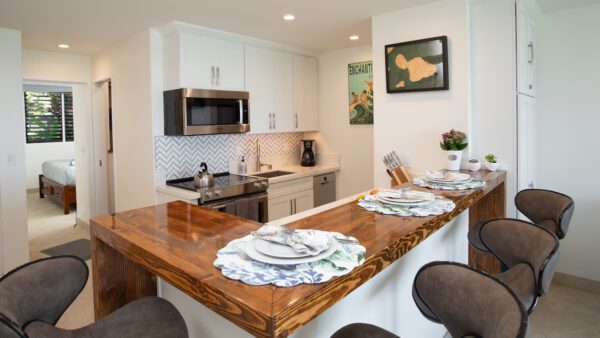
[14,249]
[38,153]
[568,118]
[354,143]
[412,123]
[74,70]
[127,64]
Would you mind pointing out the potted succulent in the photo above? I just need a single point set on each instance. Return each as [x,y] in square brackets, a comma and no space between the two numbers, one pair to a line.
[453,142]
[474,164]
[491,162]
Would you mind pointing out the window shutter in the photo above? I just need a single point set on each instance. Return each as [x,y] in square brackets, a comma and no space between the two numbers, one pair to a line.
[43,115]
[69,134]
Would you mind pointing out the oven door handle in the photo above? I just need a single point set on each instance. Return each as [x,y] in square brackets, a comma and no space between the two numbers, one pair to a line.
[219,207]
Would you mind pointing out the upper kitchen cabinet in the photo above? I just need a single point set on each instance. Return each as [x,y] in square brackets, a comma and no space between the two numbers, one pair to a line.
[305,94]
[526,56]
[194,61]
[269,80]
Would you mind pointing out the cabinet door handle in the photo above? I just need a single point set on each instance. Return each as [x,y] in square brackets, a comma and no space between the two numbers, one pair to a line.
[296,116]
[218,76]
[532,56]
[212,75]
[274,122]
[270,120]
[295,209]
[291,207]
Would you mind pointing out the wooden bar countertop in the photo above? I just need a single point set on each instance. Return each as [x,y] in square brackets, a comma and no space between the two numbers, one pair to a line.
[178,242]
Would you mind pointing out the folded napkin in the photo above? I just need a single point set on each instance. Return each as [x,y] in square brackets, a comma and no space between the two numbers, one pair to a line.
[311,242]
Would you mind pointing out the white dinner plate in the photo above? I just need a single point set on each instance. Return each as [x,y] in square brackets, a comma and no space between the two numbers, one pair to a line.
[276,250]
[396,196]
[260,257]
[412,203]
[449,178]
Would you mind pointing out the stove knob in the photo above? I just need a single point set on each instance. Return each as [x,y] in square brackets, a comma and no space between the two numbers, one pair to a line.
[256,184]
[217,193]
[208,194]
[265,184]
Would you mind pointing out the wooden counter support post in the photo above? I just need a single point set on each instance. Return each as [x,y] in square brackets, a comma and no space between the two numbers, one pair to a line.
[490,206]
[116,279]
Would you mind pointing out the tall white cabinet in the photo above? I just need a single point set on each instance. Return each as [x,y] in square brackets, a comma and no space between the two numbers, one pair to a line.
[526,99]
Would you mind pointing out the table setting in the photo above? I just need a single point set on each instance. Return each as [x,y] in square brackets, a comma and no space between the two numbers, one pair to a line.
[447,180]
[286,257]
[406,202]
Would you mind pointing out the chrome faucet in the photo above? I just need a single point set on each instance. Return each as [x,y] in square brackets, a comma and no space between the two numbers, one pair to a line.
[259,164]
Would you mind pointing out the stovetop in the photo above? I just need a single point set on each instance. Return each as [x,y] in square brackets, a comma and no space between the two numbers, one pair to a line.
[226,185]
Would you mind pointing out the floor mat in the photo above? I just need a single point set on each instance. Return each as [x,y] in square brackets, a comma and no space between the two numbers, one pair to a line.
[80,248]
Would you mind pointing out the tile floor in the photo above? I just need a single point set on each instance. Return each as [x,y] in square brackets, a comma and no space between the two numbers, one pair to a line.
[563,312]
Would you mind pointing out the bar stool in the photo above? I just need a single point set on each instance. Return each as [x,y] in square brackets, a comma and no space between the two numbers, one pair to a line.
[468,302]
[34,296]
[529,251]
[549,209]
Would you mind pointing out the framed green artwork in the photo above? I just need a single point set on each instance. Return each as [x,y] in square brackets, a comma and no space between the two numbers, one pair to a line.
[419,65]
[360,92]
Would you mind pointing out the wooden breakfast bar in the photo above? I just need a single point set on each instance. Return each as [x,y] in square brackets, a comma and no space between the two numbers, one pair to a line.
[178,242]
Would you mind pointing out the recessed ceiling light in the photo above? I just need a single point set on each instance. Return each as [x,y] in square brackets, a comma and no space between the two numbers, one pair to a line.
[63,45]
[289,17]
[354,37]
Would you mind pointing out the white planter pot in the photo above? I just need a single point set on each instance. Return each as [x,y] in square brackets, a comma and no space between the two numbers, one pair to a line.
[491,166]
[453,158]
[474,166]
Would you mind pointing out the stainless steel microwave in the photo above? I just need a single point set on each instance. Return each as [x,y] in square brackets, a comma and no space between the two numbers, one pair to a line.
[202,111]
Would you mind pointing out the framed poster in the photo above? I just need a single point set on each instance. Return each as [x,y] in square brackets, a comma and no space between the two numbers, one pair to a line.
[360,92]
[419,65]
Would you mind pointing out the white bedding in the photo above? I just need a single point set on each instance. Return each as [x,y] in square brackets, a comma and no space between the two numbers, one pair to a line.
[60,171]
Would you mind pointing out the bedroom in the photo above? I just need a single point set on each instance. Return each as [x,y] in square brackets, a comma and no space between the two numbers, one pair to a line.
[57,105]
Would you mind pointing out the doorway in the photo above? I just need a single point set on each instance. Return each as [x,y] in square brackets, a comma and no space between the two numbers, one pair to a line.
[104,148]
[56,165]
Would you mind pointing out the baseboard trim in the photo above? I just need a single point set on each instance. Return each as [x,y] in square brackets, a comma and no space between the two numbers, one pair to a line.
[580,283]
[83,224]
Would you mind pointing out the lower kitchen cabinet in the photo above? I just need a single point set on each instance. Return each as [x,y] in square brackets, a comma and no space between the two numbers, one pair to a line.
[290,204]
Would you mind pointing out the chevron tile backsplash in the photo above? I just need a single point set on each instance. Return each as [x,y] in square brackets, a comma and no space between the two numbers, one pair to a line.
[180,156]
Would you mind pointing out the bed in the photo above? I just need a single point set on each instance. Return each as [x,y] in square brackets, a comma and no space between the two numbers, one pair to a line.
[57,181]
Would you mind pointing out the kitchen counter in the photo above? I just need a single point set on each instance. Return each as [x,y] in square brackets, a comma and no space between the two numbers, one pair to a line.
[178,243]
[298,172]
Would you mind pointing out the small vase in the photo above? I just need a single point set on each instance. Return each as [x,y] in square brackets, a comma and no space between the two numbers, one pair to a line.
[491,166]
[474,166]
[453,158]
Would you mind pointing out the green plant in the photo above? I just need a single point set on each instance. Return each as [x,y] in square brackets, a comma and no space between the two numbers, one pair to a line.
[490,158]
[454,140]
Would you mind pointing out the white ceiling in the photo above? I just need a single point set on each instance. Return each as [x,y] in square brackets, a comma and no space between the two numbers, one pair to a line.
[92,25]
[548,6]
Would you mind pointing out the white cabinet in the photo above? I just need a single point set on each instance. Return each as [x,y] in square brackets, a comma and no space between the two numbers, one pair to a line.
[269,80]
[290,197]
[527,146]
[290,204]
[194,61]
[526,53]
[306,98]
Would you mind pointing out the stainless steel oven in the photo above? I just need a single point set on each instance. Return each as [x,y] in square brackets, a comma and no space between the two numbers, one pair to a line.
[202,111]
[253,207]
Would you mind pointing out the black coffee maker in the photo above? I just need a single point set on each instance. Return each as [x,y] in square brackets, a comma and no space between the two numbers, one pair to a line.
[308,153]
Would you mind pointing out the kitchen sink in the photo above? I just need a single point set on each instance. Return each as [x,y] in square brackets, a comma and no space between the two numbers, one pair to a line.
[272,174]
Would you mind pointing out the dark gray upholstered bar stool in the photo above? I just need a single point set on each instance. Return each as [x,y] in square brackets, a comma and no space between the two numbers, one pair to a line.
[529,251]
[468,302]
[549,209]
[34,296]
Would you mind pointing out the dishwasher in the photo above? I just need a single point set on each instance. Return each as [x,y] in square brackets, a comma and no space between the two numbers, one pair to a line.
[324,189]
